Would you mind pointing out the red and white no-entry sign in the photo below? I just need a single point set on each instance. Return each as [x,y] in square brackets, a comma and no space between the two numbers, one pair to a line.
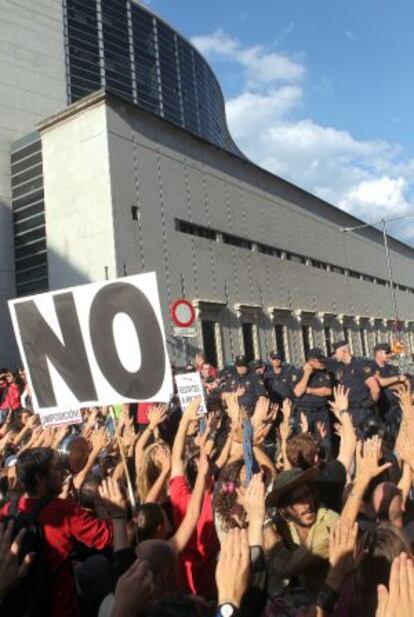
[182,313]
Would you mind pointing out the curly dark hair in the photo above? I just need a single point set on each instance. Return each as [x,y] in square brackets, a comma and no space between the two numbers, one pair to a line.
[225,495]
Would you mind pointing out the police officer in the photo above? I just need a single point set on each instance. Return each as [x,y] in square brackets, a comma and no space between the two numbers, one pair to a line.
[389,377]
[258,367]
[245,383]
[312,387]
[278,379]
[358,375]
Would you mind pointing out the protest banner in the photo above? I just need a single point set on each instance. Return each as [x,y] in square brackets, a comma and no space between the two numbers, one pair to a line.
[94,344]
[189,386]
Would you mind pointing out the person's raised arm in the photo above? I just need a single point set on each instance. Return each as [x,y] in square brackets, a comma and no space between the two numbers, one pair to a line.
[285,430]
[368,468]
[398,599]
[115,506]
[154,493]
[339,408]
[100,440]
[189,415]
[188,524]
[156,416]
[374,388]
[12,569]
[302,385]
[253,501]
[233,569]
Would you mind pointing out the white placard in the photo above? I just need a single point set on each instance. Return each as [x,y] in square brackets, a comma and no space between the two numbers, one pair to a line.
[189,386]
[59,418]
[95,344]
[185,332]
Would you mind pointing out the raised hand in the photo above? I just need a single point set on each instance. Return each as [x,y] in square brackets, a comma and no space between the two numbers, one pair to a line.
[190,414]
[11,572]
[100,439]
[398,600]
[156,415]
[369,466]
[341,549]
[342,543]
[233,568]
[340,402]
[112,498]
[253,500]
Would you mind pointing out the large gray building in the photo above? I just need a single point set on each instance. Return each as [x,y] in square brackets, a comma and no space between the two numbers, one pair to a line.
[139,173]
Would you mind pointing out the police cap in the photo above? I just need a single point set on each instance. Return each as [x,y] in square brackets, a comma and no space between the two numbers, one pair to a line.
[316,354]
[275,355]
[339,344]
[241,361]
[383,347]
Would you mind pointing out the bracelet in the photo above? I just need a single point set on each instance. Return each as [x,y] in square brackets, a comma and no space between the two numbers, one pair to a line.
[341,411]
[150,429]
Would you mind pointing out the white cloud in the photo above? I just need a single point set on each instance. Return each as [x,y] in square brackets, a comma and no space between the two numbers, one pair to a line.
[262,66]
[369,178]
[384,195]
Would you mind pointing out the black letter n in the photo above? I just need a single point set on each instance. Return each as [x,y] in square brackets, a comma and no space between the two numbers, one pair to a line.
[40,344]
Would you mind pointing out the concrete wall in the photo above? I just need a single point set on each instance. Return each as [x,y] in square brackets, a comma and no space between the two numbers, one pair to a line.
[32,86]
[105,156]
[170,175]
[79,225]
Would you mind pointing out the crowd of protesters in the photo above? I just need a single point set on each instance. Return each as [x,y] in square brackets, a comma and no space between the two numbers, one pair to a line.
[292,497]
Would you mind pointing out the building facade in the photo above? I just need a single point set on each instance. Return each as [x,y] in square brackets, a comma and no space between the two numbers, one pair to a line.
[54,52]
[264,263]
[115,158]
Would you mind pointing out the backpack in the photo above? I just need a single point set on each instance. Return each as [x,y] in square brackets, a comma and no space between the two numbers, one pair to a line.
[31,598]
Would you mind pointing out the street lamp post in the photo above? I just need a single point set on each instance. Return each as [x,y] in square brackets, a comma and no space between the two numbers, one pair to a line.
[383,222]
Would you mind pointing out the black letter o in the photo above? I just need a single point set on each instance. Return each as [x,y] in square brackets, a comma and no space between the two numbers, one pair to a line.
[125,298]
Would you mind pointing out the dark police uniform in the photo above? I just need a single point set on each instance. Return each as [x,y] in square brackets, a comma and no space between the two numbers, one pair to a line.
[353,376]
[315,408]
[279,385]
[252,383]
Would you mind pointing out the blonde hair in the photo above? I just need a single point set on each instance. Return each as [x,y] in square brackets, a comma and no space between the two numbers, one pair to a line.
[148,470]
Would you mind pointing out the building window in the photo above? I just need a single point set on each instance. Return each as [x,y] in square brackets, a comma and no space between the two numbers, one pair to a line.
[195,230]
[208,330]
[280,339]
[248,342]
[306,338]
[269,250]
[299,259]
[328,340]
[363,339]
[348,337]
[318,264]
[134,213]
[337,270]
[241,243]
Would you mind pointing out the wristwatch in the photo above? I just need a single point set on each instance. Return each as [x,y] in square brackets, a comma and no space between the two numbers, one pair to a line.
[227,610]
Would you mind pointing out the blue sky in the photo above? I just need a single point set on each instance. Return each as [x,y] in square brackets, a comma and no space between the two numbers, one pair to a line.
[318,91]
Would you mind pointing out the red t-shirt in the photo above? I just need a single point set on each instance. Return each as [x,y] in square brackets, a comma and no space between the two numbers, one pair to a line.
[64,522]
[12,397]
[198,560]
[142,412]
